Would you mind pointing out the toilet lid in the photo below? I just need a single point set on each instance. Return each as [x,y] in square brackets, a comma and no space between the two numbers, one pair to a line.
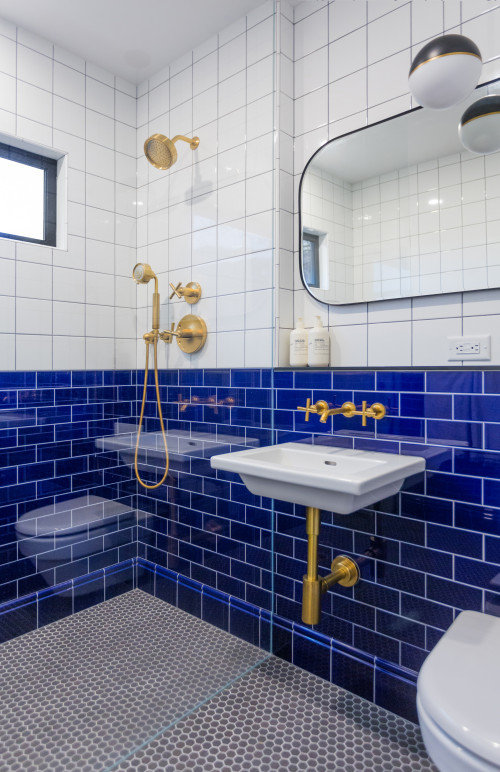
[459,684]
[48,520]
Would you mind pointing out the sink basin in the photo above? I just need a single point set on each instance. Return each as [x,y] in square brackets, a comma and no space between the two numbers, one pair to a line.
[317,476]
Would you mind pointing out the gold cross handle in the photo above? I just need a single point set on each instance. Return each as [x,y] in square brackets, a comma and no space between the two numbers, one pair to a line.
[176,290]
[191,292]
[319,407]
[376,411]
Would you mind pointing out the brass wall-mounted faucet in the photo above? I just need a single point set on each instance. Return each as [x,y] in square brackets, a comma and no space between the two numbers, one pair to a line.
[348,409]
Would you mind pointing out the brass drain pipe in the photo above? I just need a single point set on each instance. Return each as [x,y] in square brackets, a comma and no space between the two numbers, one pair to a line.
[344,571]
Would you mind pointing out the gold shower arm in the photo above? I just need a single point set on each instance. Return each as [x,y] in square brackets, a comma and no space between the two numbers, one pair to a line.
[193,143]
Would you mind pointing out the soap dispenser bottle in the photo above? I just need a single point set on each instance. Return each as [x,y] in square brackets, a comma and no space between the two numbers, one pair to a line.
[319,345]
[298,345]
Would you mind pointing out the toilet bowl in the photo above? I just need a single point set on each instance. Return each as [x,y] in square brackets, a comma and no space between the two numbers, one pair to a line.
[67,531]
[458,699]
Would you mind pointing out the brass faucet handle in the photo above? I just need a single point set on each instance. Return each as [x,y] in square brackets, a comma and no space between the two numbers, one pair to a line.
[308,409]
[168,335]
[319,407]
[378,410]
[191,292]
[176,290]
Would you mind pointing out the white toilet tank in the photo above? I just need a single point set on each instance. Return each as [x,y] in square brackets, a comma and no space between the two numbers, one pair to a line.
[459,693]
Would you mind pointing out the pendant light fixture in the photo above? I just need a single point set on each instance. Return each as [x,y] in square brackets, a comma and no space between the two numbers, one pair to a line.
[479,128]
[445,71]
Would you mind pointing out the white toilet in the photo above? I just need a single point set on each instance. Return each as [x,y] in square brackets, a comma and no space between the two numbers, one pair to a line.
[458,696]
[63,532]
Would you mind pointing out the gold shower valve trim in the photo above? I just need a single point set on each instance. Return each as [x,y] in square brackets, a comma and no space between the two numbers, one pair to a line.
[191,292]
[191,334]
[348,409]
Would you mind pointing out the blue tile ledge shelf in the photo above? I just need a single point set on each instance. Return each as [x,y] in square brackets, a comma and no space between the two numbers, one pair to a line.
[389,686]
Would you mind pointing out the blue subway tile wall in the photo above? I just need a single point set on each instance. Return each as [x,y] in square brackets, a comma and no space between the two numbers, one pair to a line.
[66,456]
[426,553]
[67,501]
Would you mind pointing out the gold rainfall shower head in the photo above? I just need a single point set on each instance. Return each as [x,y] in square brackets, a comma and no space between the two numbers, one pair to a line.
[161,151]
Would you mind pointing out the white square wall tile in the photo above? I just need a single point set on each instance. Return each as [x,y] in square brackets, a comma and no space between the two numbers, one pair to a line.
[231,349]
[7,54]
[7,316]
[33,352]
[33,316]
[34,68]
[259,348]
[68,353]
[68,318]
[69,285]
[482,302]
[311,33]
[232,57]
[260,41]
[34,103]
[33,280]
[8,348]
[485,325]
[389,344]
[99,353]
[430,341]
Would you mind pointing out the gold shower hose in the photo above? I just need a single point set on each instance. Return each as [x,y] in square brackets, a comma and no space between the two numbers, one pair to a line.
[158,402]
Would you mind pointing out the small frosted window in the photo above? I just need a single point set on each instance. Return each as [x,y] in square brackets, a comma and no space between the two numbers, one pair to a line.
[21,200]
[28,193]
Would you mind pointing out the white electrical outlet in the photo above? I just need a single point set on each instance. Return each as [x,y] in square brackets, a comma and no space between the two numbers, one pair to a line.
[470,347]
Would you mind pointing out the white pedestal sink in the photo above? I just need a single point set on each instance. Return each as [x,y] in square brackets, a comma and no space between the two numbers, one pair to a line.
[329,478]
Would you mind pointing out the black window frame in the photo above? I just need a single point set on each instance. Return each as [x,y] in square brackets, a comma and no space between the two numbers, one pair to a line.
[49,165]
[313,239]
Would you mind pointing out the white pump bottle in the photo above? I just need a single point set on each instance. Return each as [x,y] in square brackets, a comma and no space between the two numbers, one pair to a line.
[319,345]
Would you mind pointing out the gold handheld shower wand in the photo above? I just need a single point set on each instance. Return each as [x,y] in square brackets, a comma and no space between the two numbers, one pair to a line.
[142,274]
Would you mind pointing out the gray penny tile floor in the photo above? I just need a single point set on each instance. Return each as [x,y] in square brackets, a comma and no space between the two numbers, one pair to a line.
[109,689]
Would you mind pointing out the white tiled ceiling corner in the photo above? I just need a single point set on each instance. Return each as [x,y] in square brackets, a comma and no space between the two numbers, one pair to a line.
[130,38]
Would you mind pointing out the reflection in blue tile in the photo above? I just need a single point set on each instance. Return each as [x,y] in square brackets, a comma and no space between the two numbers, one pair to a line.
[313,380]
[454,540]
[462,434]
[400,381]
[449,486]
[427,560]
[455,382]
[483,519]
[453,594]
[477,408]
[312,655]
[396,694]
[244,622]
[476,573]
[426,405]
